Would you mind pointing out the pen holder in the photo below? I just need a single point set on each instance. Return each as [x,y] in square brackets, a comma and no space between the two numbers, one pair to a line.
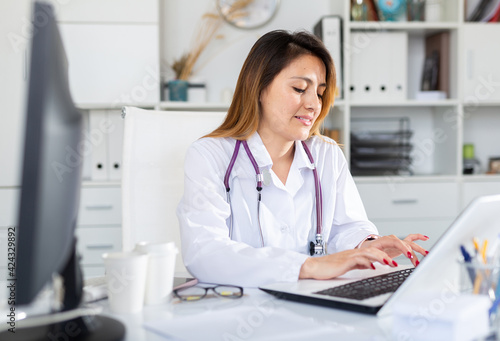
[482,279]
[479,279]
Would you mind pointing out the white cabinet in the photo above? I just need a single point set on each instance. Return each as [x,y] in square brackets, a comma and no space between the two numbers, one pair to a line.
[99,54]
[109,11]
[99,225]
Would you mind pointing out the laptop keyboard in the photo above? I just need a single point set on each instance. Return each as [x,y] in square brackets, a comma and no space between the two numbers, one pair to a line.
[369,287]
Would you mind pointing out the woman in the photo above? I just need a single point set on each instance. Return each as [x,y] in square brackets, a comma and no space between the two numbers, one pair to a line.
[233,233]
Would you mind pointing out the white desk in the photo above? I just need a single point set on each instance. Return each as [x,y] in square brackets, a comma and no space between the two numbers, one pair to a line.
[257,316]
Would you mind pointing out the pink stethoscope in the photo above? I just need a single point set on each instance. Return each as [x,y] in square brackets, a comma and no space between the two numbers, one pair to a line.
[316,247]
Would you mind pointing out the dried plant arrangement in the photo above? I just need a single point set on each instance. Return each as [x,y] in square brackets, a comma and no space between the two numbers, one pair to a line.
[206,31]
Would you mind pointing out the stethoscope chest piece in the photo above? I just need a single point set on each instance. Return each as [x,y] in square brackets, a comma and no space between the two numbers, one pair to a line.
[318,247]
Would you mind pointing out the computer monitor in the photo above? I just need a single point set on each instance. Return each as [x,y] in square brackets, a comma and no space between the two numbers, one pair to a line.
[50,192]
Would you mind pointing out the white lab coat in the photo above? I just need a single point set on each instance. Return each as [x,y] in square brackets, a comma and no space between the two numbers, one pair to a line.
[287,216]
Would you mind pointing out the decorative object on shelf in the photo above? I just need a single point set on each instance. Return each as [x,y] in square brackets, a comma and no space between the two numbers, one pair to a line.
[206,32]
[471,164]
[391,10]
[415,10]
[196,91]
[376,149]
[247,14]
[178,90]
[359,10]
[494,165]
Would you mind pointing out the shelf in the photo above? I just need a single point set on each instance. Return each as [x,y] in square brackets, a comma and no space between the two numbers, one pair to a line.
[481,104]
[481,178]
[412,27]
[112,106]
[101,183]
[407,103]
[187,106]
[404,179]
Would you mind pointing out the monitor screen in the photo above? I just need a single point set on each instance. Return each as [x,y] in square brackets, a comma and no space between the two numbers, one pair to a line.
[51,176]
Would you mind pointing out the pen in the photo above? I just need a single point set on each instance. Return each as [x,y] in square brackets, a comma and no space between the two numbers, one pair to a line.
[475,241]
[483,251]
[467,260]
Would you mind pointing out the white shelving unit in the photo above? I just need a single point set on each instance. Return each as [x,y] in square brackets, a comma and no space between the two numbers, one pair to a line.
[429,200]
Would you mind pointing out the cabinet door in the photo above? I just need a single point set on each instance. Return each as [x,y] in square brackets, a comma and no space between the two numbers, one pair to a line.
[110,11]
[14,30]
[94,241]
[112,63]
[472,190]
[482,71]
[100,206]
[9,205]
[409,200]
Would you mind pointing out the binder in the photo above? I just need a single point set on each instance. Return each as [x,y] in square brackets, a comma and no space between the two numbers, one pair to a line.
[115,145]
[329,30]
[378,67]
[99,128]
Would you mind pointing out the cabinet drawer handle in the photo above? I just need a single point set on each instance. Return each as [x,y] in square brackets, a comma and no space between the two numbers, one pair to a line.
[100,246]
[99,207]
[404,201]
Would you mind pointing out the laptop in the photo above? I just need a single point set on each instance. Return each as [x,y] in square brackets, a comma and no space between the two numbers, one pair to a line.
[438,272]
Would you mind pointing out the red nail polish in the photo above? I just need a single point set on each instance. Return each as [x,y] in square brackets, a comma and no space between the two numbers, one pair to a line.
[417,263]
[409,255]
[373,266]
[386,262]
[426,237]
[426,252]
[394,262]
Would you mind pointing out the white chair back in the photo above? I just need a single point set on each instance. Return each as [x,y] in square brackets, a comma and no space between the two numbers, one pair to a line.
[154,148]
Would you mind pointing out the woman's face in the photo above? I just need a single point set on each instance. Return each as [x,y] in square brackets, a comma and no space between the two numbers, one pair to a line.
[293,100]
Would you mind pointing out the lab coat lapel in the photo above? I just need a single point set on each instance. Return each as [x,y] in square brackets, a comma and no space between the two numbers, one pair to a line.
[299,165]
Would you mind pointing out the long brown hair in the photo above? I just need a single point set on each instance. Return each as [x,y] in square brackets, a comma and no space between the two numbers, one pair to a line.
[273,52]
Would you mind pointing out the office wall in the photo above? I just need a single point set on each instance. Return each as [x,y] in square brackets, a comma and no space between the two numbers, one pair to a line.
[220,65]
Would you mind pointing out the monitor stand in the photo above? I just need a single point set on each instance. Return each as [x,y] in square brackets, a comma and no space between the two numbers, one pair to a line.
[82,328]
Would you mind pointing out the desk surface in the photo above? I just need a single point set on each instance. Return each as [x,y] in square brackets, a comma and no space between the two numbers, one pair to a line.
[257,316]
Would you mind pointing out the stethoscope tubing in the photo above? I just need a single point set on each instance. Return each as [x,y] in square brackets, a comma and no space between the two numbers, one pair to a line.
[259,182]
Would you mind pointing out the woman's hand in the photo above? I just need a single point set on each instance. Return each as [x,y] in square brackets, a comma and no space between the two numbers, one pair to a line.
[394,246]
[334,265]
[381,250]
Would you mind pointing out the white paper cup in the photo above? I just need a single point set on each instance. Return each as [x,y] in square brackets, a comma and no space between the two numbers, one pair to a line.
[126,280]
[160,273]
